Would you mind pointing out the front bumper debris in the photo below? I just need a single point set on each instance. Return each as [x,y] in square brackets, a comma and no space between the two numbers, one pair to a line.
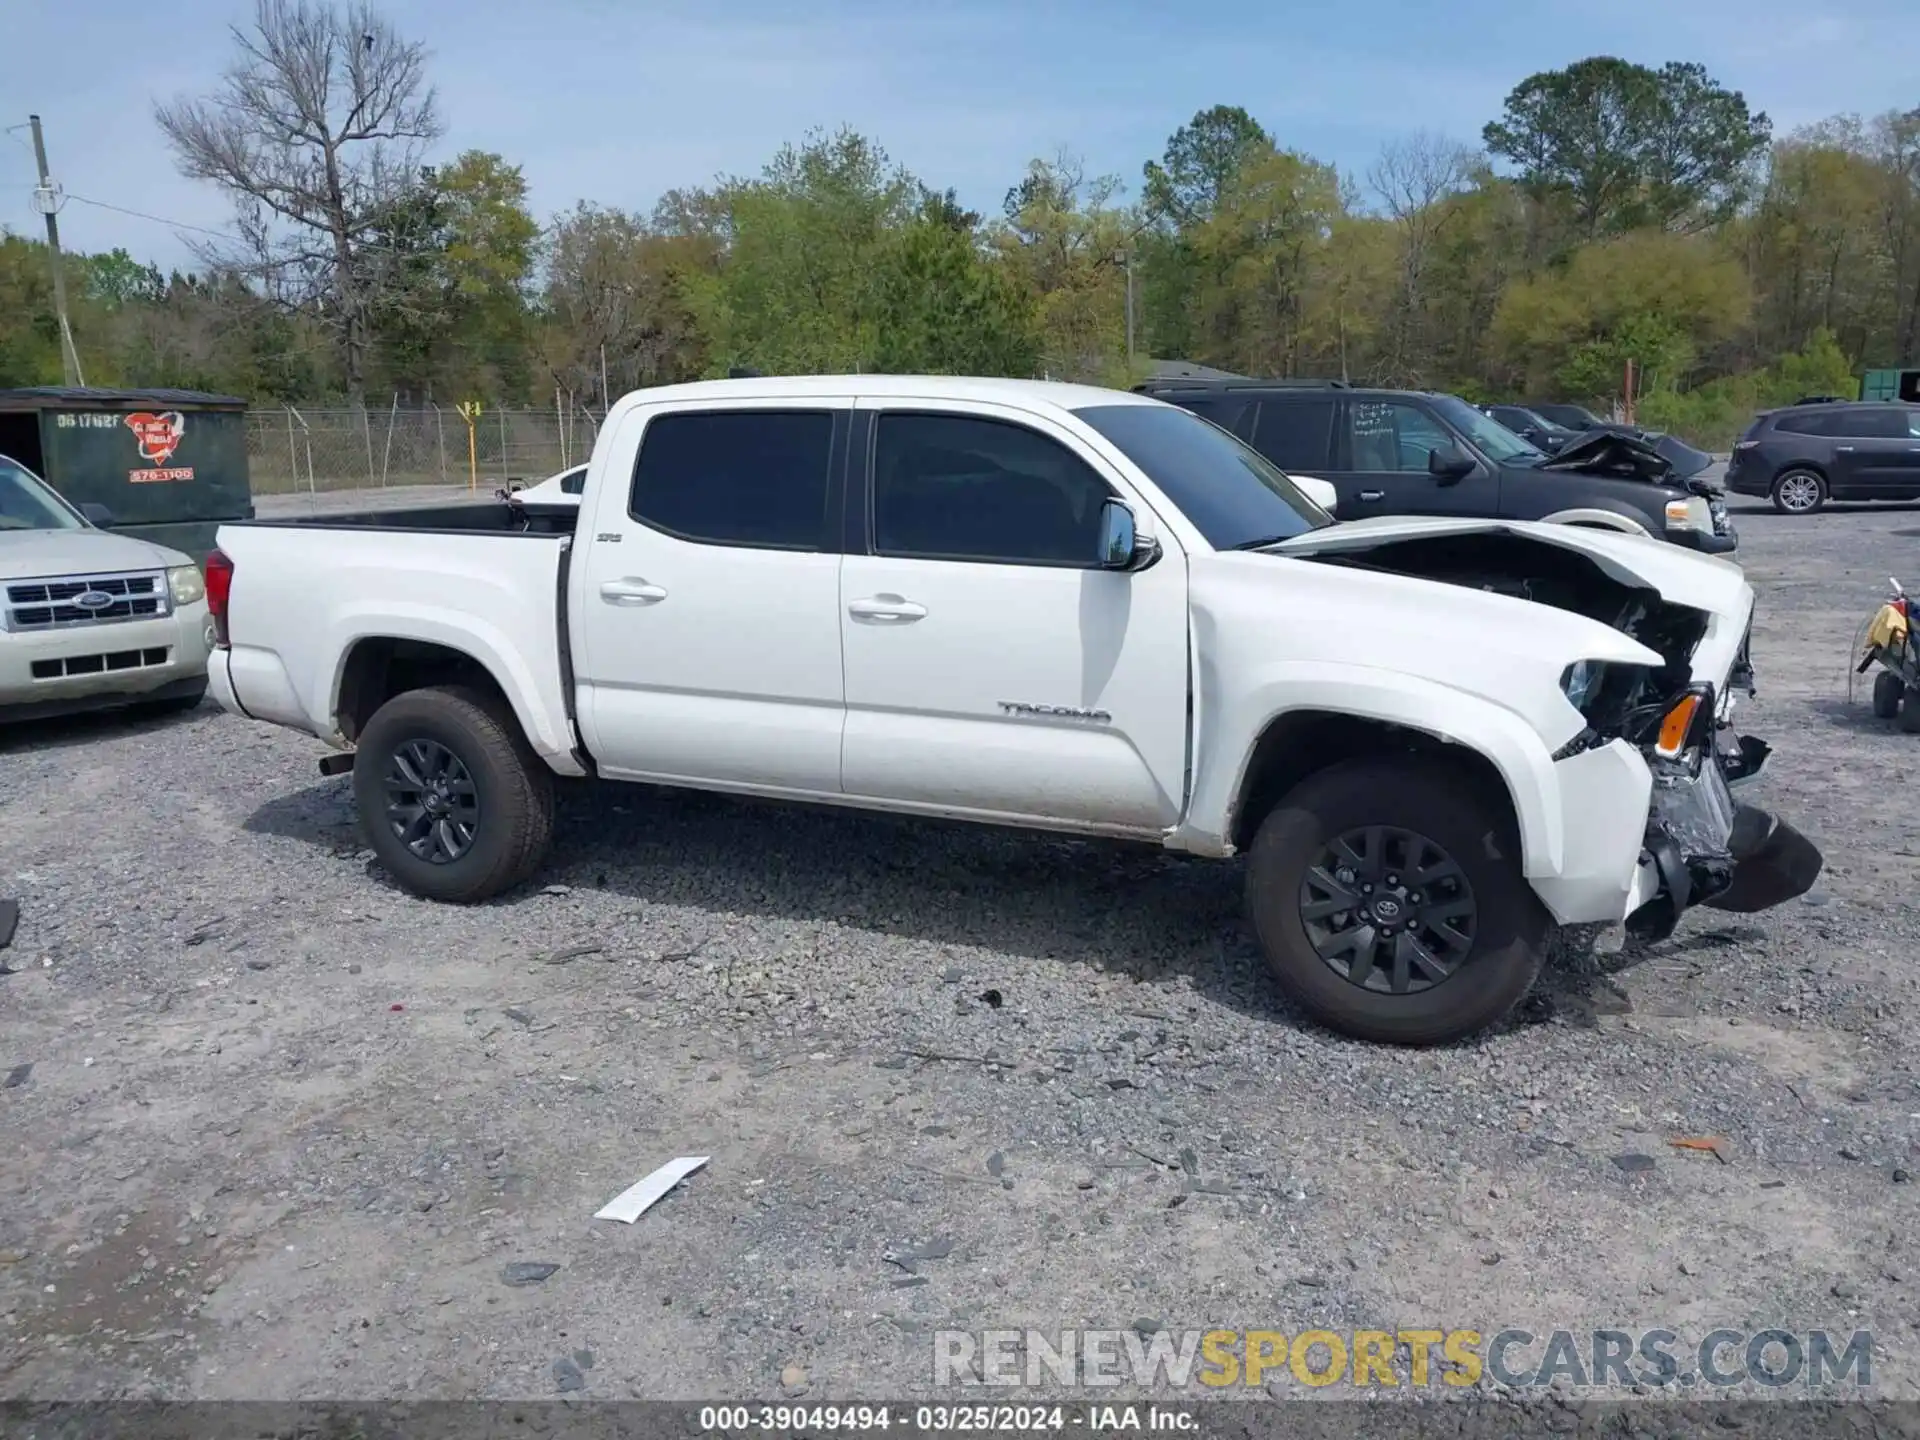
[1711,850]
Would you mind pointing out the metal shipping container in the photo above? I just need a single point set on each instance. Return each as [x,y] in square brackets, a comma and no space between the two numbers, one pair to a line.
[170,465]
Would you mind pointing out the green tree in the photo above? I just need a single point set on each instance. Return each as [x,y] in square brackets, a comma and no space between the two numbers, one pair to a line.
[1262,252]
[1656,298]
[797,288]
[1621,146]
[944,308]
[1065,239]
[452,259]
[1201,162]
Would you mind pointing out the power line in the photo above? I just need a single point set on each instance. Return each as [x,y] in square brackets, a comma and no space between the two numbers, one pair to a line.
[156,219]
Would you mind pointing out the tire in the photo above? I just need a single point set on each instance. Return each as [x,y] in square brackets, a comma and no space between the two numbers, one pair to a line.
[511,811]
[1509,931]
[1799,492]
[172,705]
[1910,712]
[1887,691]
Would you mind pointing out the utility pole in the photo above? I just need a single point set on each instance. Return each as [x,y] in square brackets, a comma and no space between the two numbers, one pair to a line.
[47,201]
[1129,314]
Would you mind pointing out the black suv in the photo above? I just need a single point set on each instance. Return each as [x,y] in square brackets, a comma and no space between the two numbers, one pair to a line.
[1406,452]
[1533,427]
[1807,454]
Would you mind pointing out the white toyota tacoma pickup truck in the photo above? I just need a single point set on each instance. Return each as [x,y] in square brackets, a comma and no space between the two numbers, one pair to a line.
[1049,606]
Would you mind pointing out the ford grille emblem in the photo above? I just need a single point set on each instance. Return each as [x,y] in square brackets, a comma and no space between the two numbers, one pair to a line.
[93,600]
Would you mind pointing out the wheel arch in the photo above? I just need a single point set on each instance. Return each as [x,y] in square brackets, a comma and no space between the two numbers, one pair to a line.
[1599,517]
[1300,743]
[375,668]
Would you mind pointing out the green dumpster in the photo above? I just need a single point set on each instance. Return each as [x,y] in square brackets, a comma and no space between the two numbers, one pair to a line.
[1891,385]
[169,465]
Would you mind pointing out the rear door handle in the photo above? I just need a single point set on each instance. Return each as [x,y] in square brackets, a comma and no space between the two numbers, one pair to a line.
[631,590]
[1373,494]
[890,608]
[1843,449]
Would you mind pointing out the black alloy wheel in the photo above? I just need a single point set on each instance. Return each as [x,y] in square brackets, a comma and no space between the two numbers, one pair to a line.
[1388,910]
[433,806]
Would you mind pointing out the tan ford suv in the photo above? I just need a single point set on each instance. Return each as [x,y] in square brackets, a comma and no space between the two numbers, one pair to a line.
[90,619]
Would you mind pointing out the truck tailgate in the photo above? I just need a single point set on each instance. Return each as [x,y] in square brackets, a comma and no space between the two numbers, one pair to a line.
[303,595]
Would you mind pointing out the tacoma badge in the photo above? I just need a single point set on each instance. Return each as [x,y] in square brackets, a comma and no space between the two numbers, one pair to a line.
[1069,712]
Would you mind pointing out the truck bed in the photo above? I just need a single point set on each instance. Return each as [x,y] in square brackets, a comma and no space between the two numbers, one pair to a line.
[478,580]
[459,519]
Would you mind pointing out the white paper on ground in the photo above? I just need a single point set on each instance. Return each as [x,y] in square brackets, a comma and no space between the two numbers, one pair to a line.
[630,1204]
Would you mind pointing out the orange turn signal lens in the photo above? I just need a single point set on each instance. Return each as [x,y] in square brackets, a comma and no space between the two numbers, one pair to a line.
[1675,728]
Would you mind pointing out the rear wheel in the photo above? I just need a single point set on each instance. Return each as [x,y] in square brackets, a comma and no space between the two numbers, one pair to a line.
[1388,901]
[1910,712]
[1887,692]
[451,798]
[1799,492]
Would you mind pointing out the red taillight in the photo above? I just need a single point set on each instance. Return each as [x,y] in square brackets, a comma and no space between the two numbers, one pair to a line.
[219,571]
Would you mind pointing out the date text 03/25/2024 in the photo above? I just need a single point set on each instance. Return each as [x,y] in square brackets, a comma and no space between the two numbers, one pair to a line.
[945,1419]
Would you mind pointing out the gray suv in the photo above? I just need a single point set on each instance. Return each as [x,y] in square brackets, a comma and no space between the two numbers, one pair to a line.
[1802,456]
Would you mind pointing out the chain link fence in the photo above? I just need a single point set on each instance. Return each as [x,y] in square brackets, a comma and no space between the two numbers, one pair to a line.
[293,448]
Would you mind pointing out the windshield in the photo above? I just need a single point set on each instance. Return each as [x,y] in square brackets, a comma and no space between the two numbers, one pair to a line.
[1233,496]
[27,504]
[1489,436]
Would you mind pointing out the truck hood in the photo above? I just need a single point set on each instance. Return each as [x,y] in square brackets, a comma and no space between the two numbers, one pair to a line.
[1256,612]
[1705,583]
[1633,455]
[32,554]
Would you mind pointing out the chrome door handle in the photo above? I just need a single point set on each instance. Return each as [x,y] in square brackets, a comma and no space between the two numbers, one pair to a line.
[631,590]
[886,607]
[1843,449]
[1373,494]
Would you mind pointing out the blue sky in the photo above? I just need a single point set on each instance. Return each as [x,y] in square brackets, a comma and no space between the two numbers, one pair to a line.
[616,102]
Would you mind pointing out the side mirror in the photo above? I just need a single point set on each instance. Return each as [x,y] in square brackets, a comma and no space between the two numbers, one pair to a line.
[1124,543]
[98,516]
[1447,463]
[1320,492]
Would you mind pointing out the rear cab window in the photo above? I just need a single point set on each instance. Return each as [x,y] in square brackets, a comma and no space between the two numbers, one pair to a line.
[750,478]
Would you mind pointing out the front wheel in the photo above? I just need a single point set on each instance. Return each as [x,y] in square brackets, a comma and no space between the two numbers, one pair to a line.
[451,798]
[1388,900]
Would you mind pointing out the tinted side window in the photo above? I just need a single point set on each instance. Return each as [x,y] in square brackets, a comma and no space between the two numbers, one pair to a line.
[736,477]
[954,487]
[574,482]
[1817,423]
[1226,412]
[1387,435]
[1295,434]
[1875,424]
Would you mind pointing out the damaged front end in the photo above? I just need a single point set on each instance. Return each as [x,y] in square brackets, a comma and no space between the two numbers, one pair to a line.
[1703,845]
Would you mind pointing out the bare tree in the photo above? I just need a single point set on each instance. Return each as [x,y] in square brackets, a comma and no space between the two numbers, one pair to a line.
[1412,179]
[317,132]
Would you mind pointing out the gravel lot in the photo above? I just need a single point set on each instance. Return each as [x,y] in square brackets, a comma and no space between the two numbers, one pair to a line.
[284,1126]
